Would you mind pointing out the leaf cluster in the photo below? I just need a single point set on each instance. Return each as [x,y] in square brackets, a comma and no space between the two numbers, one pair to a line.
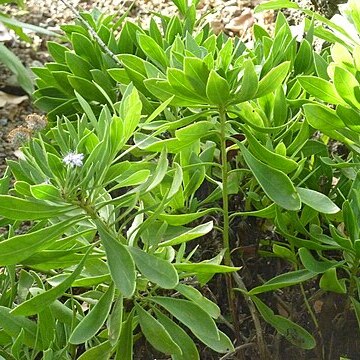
[163,144]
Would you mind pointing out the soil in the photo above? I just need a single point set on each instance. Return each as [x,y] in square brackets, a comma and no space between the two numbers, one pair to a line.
[339,330]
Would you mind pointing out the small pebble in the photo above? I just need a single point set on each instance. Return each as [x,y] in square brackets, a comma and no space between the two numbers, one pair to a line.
[3,122]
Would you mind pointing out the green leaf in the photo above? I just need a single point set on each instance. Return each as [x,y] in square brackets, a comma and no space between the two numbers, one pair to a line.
[125,344]
[19,24]
[313,265]
[321,66]
[155,269]
[62,313]
[197,73]
[163,106]
[12,325]
[320,89]
[162,90]
[18,344]
[87,89]
[182,5]
[285,253]
[130,111]
[120,75]
[93,321]
[88,111]
[152,49]
[188,235]
[191,315]
[78,66]
[345,84]
[268,212]
[225,55]
[249,84]
[304,58]
[276,4]
[330,282]
[46,325]
[57,51]
[351,221]
[317,201]
[273,79]
[20,247]
[115,321]
[116,136]
[291,331]
[155,333]
[322,118]
[182,219]
[84,47]
[36,304]
[205,267]
[195,295]
[155,33]
[184,86]
[194,131]
[222,345]
[217,89]
[349,116]
[284,280]
[182,339]
[128,179]
[341,55]
[135,71]
[45,192]
[276,185]
[14,64]
[120,262]
[173,29]
[102,351]
[355,13]
[276,161]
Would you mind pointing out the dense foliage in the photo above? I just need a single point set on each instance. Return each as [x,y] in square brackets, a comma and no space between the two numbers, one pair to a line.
[151,134]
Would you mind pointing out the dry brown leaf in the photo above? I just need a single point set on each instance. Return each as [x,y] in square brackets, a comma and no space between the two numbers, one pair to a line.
[8,99]
[241,23]
[217,26]
[282,311]
[318,304]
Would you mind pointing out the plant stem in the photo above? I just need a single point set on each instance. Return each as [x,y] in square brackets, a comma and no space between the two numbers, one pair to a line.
[225,196]
[227,257]
[313,317]
[352,286]
[226,222]
[91,31]
[263,353]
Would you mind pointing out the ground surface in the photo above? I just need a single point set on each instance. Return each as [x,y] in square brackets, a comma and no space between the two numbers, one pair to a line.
[340,336]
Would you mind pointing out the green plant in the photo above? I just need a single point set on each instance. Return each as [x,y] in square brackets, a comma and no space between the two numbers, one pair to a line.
[318,244]
[69,185]
[158,134]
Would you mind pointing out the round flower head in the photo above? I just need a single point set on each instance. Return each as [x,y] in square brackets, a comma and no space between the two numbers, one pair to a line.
[72,159]
[36,122]
[19,136]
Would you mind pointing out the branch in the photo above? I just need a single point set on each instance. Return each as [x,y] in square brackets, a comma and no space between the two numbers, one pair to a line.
[92,32]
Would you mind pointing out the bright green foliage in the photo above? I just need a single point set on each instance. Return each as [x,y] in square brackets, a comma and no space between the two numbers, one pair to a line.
[143,145]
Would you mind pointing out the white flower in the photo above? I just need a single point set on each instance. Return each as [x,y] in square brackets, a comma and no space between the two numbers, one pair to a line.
[73,159]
